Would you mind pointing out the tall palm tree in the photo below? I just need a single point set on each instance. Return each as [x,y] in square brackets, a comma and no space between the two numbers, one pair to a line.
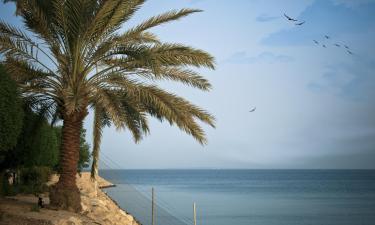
[54,65]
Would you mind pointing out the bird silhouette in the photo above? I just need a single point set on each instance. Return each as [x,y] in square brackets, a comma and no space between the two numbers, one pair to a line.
[351,53]
[346,47]
[289,18]
[299,24]
[324,46]
[327,37]
[337,45]
[253,109]
[316,42]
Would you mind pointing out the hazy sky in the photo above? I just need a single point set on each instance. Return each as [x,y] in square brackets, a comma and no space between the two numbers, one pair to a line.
[315,105]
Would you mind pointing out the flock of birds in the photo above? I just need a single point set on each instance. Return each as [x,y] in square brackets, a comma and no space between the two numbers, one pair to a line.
[321,43]
[347,49]
[325,38]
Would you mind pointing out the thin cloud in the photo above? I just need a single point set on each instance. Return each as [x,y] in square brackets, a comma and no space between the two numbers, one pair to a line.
[264,57]
[353,81]
[266,18]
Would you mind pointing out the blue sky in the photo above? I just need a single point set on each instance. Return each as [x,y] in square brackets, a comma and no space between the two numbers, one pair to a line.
[315,105]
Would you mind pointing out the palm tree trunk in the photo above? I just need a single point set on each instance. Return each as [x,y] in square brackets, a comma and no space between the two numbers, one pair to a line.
[65,194]
[97,136]
[94,166]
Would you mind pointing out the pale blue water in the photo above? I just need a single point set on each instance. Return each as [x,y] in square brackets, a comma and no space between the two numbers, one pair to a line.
[250,197]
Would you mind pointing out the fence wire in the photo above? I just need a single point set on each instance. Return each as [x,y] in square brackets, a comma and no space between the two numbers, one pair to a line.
[139,203]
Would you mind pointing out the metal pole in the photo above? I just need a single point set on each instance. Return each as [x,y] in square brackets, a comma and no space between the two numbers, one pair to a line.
[153,208]
[195,214]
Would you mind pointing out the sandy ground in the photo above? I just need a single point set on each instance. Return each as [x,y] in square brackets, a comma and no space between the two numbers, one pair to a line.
[97,207]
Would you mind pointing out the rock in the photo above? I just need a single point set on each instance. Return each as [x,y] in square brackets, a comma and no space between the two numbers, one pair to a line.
[130,218]
[74,221]
[71,221]
[84,207]
[97,202]
[122,212]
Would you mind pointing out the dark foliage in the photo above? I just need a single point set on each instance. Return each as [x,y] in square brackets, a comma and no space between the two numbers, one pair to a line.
[11,113]
[37,144]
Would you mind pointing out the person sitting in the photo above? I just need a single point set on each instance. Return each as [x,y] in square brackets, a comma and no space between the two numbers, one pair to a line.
[40,202]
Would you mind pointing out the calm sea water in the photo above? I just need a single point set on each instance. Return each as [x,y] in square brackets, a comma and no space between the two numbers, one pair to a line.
[249,197]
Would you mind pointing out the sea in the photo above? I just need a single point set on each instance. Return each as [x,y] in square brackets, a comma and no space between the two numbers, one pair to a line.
[245,197]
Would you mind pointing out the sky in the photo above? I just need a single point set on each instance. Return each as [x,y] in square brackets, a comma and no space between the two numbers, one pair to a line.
[314,105]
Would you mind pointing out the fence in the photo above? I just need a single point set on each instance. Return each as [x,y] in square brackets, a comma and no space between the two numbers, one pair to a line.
[144,205]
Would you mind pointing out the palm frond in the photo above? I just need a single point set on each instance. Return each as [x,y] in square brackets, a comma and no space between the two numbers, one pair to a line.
[108,101]
[162,18]
[185,76]
[109,18]
[164,105]
[153,57]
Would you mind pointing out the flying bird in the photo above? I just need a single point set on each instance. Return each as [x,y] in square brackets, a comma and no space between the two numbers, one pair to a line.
[337,45]
[324,46]
[316,42]
[299,24]
[253,109]
[289,18]
[346,47]
[327,37]
[351,53]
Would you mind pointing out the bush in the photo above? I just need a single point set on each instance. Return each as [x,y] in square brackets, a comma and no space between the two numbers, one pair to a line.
[11,113]
[6,189]
[44,147]
[35,174]
[37,144]
[33,179]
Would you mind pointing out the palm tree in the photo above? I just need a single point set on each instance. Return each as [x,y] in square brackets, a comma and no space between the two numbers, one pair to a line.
[54,66]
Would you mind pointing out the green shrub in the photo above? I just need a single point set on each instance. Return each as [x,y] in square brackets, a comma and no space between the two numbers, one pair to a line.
[6,189]
[11,113]
[33,179]
[34,174]
[44,147]
[2,183]
[38,144]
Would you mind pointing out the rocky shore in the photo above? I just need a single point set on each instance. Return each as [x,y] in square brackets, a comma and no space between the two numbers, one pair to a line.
[98,208]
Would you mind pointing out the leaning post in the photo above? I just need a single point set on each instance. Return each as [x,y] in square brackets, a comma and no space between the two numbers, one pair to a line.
[195,213]
[153,207]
